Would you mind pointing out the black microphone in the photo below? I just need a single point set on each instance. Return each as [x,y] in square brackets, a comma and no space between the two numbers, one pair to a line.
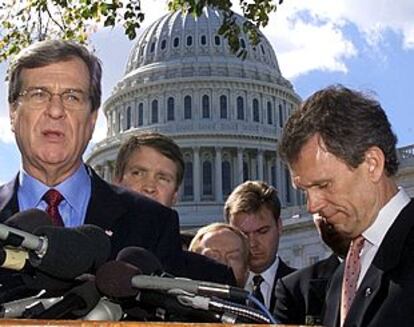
[29,220]
[75,303]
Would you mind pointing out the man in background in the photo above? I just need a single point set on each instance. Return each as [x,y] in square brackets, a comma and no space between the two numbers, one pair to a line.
[341,152]
[300,296]
[152,164]
[254,208]
[225,244]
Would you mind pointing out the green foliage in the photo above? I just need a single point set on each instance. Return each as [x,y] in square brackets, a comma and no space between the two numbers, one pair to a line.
[25,21]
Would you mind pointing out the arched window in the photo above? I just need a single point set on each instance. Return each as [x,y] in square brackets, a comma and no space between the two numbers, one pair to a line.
[243,43]
[217,40]
[152,47]
[189,40]
[245,171]
[163,44]
[187,107]
[128,118]
[206,106]
[240,108]
[154,111]
[256,114]
[170,108]
[207,178]
[223,107]
[203,40]
[141,114]
[269,113]
[226,177]
[188,179]
[176,42]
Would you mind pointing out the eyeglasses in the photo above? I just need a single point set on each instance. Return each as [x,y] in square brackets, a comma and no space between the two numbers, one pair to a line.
[39,98]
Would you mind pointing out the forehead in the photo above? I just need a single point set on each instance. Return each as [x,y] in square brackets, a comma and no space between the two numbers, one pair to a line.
[218,238]
[146,154]
[250,222]
[72,72]
[315,164]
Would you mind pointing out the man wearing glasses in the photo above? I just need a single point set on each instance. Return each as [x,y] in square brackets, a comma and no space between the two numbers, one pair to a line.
[54,96]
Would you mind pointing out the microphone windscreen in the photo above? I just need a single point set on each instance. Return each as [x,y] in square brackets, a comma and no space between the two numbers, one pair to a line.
[113,279]
[69,252]
[100,242]
[29,220]
[141,258]
[89,295]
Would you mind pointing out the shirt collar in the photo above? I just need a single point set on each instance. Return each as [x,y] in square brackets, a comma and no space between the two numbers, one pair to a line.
[386,216]
[268,275]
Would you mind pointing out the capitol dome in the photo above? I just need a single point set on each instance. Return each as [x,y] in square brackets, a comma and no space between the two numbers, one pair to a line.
[225,113]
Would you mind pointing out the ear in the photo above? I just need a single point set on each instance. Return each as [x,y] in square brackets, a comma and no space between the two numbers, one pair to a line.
[375,162]
[175,198]
[279,226]
[93,116]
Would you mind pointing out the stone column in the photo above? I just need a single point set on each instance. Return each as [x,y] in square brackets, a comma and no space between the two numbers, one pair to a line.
[196,174]
[260,165]
[219,177]
[239,170]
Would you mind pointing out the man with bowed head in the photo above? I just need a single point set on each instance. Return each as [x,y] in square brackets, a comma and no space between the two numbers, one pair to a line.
[341,152]
[54,96]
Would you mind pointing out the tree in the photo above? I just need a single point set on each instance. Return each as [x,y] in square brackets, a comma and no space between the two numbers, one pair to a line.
[23,22]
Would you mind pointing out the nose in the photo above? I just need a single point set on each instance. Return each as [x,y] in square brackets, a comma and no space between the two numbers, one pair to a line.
[149,185]
[314,202]
[55,107]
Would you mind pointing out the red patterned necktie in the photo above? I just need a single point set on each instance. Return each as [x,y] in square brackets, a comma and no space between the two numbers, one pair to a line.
[351,274]
[53,198]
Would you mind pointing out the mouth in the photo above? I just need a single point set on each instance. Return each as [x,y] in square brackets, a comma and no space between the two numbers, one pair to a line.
[53,135]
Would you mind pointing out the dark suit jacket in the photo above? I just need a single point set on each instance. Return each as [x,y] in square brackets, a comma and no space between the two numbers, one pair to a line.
[386,294]
[134,220]
[300,296]
[282,270]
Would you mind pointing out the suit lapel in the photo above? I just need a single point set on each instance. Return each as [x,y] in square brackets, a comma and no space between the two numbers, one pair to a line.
[8,199]
[282,270]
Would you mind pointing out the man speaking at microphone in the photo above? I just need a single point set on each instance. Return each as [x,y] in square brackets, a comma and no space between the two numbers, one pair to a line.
[54,96]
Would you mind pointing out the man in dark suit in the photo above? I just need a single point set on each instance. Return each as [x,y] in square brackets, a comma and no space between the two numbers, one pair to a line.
[341,152]
[254,208]
[300,296]
[54,97]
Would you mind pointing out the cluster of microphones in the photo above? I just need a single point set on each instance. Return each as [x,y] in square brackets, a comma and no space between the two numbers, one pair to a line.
[50,272]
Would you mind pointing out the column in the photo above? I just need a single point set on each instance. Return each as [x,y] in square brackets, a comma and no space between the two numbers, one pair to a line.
[269,171]
[239,169]
[219,186]
[196,174]
[260,165]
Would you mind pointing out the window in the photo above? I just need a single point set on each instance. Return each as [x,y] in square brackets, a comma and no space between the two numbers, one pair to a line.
[152,47]
[203,40]
[207,178]
[154,112]
[176,42]
[223,107]
[170,108]
[188,179]
[273,178]
[189,40]
[280,115]
[262,48]
[243,43]
[163,44]
[226,177]
[128,118]
[256,115]
[245,171]
[240,108]
[141,114]
[187,107]
[269,113]
[217,40]
[206,106]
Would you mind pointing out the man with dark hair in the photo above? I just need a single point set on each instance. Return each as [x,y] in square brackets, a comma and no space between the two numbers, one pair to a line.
[254,208]
[54,96]
[152,164]
[341,152]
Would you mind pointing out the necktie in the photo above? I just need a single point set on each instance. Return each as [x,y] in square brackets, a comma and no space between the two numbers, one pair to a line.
[351,274]
[53,198]
[257,292]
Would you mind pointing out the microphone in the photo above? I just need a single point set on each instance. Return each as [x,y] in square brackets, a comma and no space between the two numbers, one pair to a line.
[15,309]
[18,237]
[13,258]
[191,286]
[75,303]
[105,310]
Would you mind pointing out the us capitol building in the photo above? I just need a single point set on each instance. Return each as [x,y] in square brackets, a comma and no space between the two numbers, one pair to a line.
[225,113]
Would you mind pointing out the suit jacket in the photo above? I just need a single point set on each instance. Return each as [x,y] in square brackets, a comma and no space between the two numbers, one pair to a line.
[134,220]
[300,296]
[385,296]
[282,270]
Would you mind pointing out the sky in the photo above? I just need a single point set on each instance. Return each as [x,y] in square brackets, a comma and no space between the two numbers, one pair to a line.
[367,45]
